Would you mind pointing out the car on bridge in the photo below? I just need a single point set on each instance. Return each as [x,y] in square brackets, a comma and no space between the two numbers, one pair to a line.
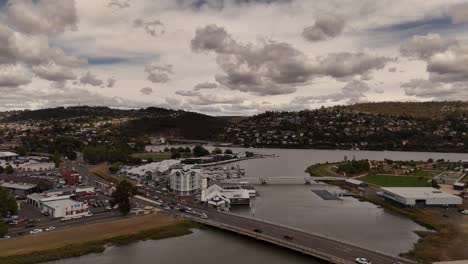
[363,261]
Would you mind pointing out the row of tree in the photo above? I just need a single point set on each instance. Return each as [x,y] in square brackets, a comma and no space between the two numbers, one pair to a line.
[8,207]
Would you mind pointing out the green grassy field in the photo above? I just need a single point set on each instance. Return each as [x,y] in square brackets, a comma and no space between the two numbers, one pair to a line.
[397,181]
[322,170]
[154,156]
[428,174]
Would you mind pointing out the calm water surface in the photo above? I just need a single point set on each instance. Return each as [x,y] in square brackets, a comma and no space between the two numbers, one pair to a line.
[356,222]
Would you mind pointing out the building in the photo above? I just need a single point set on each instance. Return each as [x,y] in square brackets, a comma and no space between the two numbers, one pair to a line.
[19,189]
[224,197]
[459,186]
[57,204]
[186,180]
[7,158]
[71,177]
[65,208]
[420,196]
[356,183]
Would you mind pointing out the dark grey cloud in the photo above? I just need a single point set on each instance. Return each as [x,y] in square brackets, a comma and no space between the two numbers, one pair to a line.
[274,68]
[91,79]
[119,3]
[205,85]
[424,46]
[346,64]
[146,90]
[437,90]
[324,28]
[459,13]
[353,92]
[154,28]
[111,82]
[41,16]
[221,4]
[158,73]
[13,76]
[53,72]
[197,98]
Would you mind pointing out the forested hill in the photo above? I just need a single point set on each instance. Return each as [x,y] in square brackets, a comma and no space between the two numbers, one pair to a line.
[439,126]
[414,109]
[131,123]
[59,113]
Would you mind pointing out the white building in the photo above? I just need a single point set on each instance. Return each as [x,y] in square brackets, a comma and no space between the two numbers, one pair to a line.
[65,208]
[186,180]
[224,197]
[420,196]
[57,205]
[7,158]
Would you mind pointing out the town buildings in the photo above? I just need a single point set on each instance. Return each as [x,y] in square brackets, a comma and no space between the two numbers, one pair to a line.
[186,180]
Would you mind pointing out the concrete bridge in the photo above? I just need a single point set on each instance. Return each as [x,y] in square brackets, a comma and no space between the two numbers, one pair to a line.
[284,180]
[320,247]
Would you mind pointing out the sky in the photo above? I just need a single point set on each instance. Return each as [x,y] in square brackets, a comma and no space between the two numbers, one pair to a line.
[231,57]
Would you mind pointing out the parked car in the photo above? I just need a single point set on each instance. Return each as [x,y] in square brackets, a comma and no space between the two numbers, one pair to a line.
[30,225]
[35,231]
[288,237]
[88,214]
[256,230]
[66,218]
[50,228]
[362,261]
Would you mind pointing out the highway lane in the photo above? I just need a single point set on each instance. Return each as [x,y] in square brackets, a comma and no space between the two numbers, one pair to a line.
[59,223]
[339,249]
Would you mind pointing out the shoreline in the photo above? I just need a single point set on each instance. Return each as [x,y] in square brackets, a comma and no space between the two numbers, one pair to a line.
[431,243]
[174,228]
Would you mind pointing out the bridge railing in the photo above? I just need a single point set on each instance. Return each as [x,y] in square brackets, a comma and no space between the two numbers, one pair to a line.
[280,242]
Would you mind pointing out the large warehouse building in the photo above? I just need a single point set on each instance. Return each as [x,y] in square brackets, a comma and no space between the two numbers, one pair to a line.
[420,196]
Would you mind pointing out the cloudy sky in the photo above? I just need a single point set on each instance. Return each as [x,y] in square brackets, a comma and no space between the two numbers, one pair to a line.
[231,57]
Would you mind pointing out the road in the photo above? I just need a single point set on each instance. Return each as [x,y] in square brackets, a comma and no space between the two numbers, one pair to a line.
[275,233]
[59,223]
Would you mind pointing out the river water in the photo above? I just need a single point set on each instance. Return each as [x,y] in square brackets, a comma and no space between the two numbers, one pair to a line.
[349,220]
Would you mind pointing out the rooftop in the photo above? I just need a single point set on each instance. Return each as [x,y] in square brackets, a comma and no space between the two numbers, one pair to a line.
[4,154]
[67,203]
[19,186]
[418,192]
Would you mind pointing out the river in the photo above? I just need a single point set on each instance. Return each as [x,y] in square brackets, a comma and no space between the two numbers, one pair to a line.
[350,220]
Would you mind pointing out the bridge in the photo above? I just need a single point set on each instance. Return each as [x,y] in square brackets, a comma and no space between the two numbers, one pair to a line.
[320,247]
[284,180]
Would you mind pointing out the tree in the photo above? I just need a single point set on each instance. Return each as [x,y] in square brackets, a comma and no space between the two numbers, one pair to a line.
[56,159]
[217,151]
[9,169]
[8,204]
[199,151]
[3,229]
[122,195]
[2,170]
[228,151]
[175,155]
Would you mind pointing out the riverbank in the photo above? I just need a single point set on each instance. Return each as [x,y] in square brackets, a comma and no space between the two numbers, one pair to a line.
[91,238]
[447,238]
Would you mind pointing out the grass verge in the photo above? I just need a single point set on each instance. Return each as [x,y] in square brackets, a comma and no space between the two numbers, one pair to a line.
[75,250]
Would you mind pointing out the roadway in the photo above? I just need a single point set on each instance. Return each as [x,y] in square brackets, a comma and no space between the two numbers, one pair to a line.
[307,243]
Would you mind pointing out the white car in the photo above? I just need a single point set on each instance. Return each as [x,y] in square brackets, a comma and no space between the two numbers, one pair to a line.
[362,261]
[88,214]
[35,231]
[50,228]
[66,218]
